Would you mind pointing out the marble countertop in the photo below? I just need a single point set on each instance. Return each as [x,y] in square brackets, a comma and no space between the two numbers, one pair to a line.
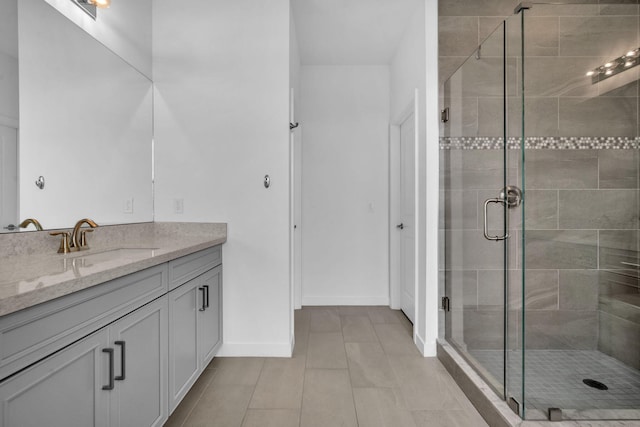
[33,275]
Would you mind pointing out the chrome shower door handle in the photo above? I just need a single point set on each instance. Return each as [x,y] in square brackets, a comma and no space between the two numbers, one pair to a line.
[486,225]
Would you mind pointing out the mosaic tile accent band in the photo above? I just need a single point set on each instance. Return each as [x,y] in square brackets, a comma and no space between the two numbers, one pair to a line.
[542,143]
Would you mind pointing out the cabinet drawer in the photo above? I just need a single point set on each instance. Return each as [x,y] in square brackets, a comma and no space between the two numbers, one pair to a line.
[64,390]
[188,267]
[29,335]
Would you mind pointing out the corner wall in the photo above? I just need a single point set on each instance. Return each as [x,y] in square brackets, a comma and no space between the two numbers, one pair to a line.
[408,73]
[221,72]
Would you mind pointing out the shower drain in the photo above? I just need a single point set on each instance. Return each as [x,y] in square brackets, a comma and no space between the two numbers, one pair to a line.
[595,384]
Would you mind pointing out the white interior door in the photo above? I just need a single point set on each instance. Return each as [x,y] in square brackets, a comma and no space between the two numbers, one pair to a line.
[8,177]
[297,214]
[295,206]
[407,216]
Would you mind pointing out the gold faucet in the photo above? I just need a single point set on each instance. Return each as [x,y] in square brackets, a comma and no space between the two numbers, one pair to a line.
[35,222]
[79,243]
[64,242]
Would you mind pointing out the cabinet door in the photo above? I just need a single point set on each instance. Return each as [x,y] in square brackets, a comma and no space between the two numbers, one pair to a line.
[209,327]
[183,339]
[140,346]
[64,390]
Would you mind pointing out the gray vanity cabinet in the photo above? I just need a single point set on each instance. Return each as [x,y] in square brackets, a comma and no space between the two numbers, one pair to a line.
[194,331]
[119,354]
[65,390]
[139,341]
[115,377]
[210,328]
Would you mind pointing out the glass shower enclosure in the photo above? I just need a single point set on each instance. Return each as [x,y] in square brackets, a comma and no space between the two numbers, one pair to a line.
[540,210]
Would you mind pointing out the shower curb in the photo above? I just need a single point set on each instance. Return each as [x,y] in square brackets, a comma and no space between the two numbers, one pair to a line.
[493,409]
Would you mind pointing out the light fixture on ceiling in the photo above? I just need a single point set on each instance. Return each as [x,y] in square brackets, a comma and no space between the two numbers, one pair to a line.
[100,4]
[615,66]
[90,6]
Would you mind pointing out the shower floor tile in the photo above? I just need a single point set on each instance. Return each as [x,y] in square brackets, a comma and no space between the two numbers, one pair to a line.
[554,379]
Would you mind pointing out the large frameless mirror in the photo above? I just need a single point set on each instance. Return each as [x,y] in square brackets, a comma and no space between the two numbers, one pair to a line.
[76,114]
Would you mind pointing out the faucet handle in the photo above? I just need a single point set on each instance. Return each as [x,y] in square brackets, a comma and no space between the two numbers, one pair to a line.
[83,238]
[64,242]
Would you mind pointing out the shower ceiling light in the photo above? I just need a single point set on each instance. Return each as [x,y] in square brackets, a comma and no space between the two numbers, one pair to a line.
[90,6]
[101,4]
[615,66]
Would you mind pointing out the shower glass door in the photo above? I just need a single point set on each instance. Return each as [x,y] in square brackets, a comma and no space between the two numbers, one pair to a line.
[581,244]
[481,135]
[540,197]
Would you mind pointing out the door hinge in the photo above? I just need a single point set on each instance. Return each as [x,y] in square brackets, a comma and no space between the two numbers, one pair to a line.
[555,414]
[525,5]
[444,115]
[446,304]
[514,405]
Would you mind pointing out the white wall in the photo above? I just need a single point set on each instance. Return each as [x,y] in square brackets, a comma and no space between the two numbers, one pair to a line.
[125,28]
[415,66]
[294,61]
[296,163]
[9,90]
[429,178]
[9,63]
[407,75]
[345,119]
[221,72]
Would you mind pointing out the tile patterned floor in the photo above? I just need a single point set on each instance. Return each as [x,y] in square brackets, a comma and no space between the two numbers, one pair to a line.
[352,366]
[554,379]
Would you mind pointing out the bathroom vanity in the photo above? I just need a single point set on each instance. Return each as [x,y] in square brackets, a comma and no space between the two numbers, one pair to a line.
[112,336]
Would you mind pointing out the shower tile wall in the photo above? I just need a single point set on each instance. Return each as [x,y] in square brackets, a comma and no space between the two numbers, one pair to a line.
[581,226]
[581,177]
[462,25]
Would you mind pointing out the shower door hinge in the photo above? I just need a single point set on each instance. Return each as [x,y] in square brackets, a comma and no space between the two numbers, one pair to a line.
[555,414]
[446,304]
[514,405]
[444,115]
[525,5]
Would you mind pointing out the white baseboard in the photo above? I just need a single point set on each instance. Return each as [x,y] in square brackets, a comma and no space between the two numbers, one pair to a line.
[256,349]
[333,300]
[427,349]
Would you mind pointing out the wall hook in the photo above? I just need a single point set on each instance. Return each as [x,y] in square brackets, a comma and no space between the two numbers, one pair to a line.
[40,182]
[292,126]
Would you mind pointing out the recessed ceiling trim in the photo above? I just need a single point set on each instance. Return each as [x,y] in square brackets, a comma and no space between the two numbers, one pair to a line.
[89,9]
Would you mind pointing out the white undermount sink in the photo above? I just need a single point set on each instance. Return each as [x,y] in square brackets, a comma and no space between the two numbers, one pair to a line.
[116,253]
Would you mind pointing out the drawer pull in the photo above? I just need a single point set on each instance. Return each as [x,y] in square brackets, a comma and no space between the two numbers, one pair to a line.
[204,304]
[123,356]
[110,385]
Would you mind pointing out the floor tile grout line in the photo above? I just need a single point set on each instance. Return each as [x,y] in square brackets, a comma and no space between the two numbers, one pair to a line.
[195,404]
[255,386]
[344,347]
[304,373]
